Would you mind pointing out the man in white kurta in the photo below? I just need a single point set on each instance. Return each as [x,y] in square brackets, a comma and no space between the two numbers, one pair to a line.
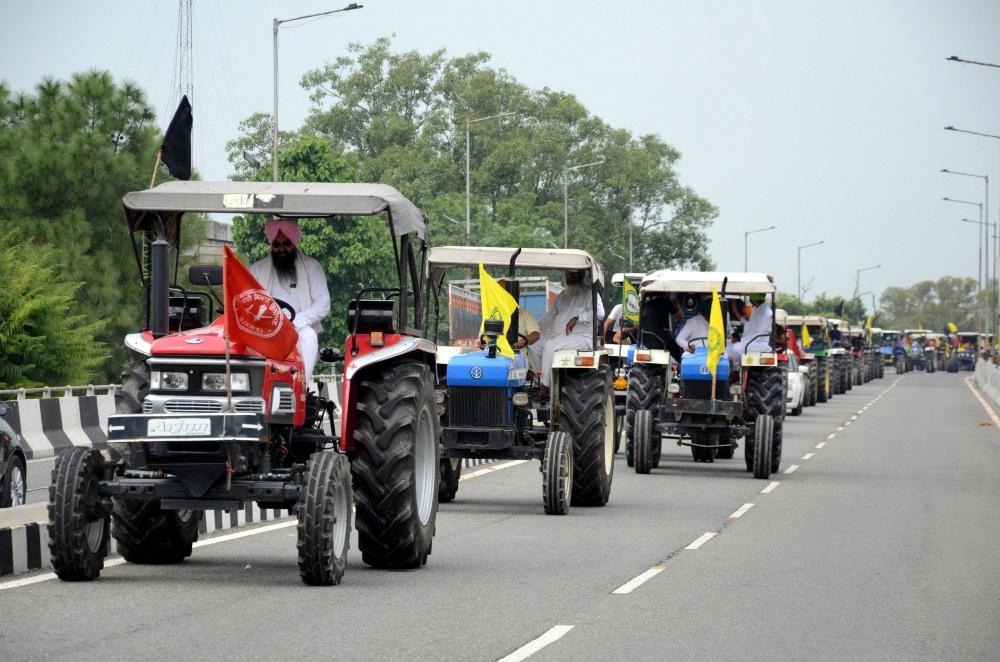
[759,324]
[693,334]
[299,281]
[569,323]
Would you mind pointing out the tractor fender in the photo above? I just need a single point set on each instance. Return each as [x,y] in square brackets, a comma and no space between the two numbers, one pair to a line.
[406,346]
[139,344]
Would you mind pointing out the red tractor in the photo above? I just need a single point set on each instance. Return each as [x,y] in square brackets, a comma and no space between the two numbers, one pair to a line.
[199,427]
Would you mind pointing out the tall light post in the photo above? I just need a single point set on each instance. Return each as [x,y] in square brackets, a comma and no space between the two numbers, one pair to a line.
[857,277]
[979,272]
[468,168]
[955,58]
[984,247]
[746,236]
[798,271]
[275,24]
[458,223]
[986,225]
[566,197]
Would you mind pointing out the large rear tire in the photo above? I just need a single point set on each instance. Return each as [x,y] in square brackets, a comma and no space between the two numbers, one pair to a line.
[645,388]
[698,451]
[396,464]
[586,415]
[324,514]
[557,473]
[823,385]
[643,437]
[726,452]
[78,530]
[144,533]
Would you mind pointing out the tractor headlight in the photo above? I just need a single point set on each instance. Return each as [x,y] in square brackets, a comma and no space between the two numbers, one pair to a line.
[160,380]
[216,381]
[735,390]
[674,388]
[520,399]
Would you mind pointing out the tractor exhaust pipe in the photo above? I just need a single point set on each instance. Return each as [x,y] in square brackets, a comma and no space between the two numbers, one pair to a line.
[159,288]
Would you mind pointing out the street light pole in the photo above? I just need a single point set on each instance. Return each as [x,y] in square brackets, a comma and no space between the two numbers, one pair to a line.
[955,58]
[275,24]
[798,270]
[746,236]
[857,278]
[566,197]
[984,247]
[979,272]
[468,167]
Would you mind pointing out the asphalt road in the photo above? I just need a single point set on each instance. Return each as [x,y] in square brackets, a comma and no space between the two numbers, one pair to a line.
[881,545]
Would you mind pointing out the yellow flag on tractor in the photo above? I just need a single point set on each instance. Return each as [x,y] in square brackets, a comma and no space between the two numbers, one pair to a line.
[952,327]
[716,337]
[498,304]
[806,340]
[630,302]
[868,323]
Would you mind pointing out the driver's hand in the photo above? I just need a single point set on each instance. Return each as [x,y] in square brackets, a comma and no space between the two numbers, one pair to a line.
[521,344]
[570,325]
[690,348]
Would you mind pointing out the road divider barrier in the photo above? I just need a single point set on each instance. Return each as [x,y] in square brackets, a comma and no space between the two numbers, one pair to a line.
[987,377]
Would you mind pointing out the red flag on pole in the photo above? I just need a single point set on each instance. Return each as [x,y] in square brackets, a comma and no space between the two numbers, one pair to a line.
[252,316]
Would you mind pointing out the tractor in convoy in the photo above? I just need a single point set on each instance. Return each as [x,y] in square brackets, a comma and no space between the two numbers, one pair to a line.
[806,363]
[875,353]
[621,353]
[709,416]
[818,347]
[840,354]
[205,423]
[922,354]
[968,350]
[493,406]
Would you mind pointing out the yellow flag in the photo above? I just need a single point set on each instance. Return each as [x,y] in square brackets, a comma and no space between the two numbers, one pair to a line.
[716,334]
[497,304]
[952,327]
[806,340]
[630,302]
[868,323]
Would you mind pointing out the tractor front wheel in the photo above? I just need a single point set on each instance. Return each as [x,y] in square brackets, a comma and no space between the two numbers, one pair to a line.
[762,461]
[451,472]
[557,473]
[324,514]
[643,438]
[645,387]
[78,525]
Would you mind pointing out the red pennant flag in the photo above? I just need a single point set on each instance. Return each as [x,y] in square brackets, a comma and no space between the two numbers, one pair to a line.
[252,316]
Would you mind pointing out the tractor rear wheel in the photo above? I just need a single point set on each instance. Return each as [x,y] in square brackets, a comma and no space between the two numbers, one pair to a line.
[645,388]
[396,464]
[587,416]
[324,514]
[557,473]
[823,380]
[144,533]
[78,529]
[451,472]
[643,437]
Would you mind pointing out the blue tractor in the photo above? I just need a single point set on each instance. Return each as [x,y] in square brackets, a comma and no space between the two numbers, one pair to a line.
[746,400]
[493,406]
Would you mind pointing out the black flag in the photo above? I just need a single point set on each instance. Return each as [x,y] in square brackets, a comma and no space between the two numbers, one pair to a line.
[841,309]
[176,149]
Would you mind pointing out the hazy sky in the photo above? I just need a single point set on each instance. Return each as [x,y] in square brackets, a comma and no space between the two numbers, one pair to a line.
[822,118]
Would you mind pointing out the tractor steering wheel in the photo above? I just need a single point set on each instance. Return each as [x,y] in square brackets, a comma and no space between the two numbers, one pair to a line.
[287,307]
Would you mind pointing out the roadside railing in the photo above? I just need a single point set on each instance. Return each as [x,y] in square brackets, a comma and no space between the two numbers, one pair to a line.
[65,391]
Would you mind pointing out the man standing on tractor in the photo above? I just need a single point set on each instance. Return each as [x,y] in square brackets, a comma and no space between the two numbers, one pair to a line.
[297,280]
[756,333]
[568,324]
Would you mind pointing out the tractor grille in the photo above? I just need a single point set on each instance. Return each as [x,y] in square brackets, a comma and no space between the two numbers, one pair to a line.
[477,407]
[192,405]
[249,406]
[702,390]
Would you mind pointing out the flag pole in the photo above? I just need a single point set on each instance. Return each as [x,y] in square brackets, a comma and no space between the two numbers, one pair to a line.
[159,159]
[225,313]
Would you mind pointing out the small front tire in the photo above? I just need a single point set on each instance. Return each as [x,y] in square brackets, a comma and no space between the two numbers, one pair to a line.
[557,473]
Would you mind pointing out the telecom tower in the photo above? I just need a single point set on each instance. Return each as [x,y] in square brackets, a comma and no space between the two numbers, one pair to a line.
[185,50]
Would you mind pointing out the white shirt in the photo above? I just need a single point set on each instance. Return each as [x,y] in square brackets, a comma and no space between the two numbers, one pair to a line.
[759,323]
[573,301]
[616,317]
[307,293]
[694,328]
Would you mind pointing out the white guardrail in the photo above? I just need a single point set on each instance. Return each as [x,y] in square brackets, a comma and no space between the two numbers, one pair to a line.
[987,378]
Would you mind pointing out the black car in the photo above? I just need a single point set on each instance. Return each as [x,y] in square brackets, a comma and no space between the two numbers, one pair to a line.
[13,467]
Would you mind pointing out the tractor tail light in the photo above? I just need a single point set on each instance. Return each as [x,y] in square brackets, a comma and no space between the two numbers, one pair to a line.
[643,356]
[584,361]
[767,360]
[376,339]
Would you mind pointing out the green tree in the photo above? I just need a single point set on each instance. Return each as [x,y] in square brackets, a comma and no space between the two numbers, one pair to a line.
[70,150]
[400,118]
[43,341]
[932,304]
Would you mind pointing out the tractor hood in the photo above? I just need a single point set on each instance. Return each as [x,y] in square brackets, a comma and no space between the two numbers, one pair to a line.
[206,341]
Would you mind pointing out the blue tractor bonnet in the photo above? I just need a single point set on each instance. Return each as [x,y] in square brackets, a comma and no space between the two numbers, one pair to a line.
[694,367]
[478,369]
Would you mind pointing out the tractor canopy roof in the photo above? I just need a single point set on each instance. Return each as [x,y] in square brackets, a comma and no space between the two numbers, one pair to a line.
[781,317]
[837,322]
[856,331]
[916,332]
[166,203]
[442,258]
[888,331]
[739,283]
[876,330]
[808,320]
[634,277]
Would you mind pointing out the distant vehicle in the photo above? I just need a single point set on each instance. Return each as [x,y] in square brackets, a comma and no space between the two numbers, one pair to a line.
[13,465]
[798,376]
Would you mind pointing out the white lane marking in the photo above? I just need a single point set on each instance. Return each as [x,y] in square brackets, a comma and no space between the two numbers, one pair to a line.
[42,459]
[821,444]
[847,423]
[831,436]
[553,635]
[854,418]
[860,411]
[701,540]
[982,401]
[770,487]
[791,469]
[489,470]
[741,511]
[638,581]
[840,429]
[807,456]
